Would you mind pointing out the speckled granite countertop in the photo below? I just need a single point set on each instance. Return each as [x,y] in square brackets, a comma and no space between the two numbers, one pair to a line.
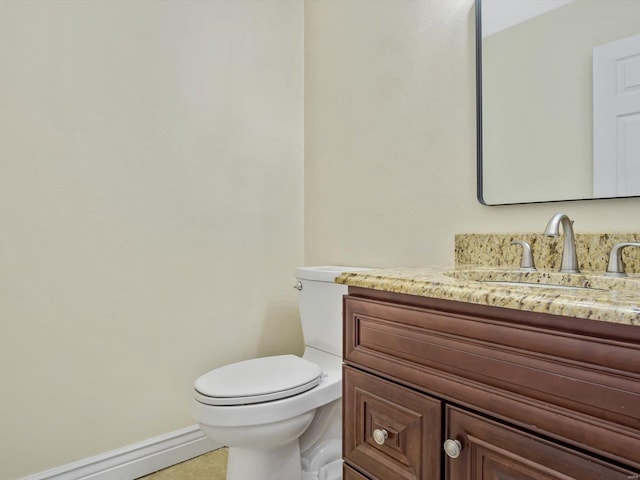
[607,299]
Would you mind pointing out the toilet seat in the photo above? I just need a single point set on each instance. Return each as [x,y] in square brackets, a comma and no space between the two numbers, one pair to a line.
[234,416]
[257,380]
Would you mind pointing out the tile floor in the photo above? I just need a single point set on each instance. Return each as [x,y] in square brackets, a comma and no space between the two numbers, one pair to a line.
[210,466]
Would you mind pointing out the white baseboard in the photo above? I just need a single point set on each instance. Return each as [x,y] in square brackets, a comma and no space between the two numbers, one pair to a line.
[135,460]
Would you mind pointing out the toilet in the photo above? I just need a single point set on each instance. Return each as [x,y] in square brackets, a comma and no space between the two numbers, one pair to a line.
[281,416]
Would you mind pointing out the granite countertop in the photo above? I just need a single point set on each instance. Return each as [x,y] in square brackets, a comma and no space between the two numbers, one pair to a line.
[608,299]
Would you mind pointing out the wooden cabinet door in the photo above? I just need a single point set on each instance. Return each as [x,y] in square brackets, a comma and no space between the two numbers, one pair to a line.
[492,451]
[390,432]
[349,473]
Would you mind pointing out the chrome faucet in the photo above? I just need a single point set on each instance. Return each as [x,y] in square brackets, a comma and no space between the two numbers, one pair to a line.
[616,265]
[569,258]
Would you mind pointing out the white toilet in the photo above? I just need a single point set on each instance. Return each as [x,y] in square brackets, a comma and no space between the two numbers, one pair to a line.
[281,416]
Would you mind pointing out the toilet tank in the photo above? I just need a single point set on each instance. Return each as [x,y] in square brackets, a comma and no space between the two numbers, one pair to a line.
[320,305]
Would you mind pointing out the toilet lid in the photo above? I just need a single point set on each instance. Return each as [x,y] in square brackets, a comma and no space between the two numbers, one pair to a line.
[257,380]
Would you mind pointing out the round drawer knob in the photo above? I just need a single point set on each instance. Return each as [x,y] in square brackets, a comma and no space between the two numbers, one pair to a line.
[452,448]
[379,436]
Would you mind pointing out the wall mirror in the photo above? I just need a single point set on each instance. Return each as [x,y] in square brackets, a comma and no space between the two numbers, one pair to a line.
[558,100]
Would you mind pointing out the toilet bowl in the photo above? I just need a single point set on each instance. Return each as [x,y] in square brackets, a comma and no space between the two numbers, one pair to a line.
[281,416]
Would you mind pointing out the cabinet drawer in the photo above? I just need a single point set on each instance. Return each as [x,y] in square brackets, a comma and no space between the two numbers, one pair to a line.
[411,421]
[494,451]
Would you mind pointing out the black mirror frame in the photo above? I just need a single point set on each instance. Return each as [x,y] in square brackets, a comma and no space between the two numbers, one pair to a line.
[479,193]
[479,175]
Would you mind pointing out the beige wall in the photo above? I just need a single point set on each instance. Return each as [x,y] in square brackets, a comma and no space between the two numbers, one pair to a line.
[390,138]
[150,212]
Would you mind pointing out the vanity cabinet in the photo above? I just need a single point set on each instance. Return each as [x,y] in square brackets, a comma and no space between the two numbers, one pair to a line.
[515,395]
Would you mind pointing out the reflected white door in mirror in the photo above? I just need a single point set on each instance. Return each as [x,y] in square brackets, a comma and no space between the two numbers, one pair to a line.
[616,118]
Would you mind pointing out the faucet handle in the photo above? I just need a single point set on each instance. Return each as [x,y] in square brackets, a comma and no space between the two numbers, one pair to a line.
[616,264]
[527,262]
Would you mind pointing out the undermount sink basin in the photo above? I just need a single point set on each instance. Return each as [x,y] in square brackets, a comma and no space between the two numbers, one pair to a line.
[548,280]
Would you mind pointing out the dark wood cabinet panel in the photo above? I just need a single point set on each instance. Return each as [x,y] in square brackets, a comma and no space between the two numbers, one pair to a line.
[528,396]
[409,421]
[493,451]
[508,370]
[349,473]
